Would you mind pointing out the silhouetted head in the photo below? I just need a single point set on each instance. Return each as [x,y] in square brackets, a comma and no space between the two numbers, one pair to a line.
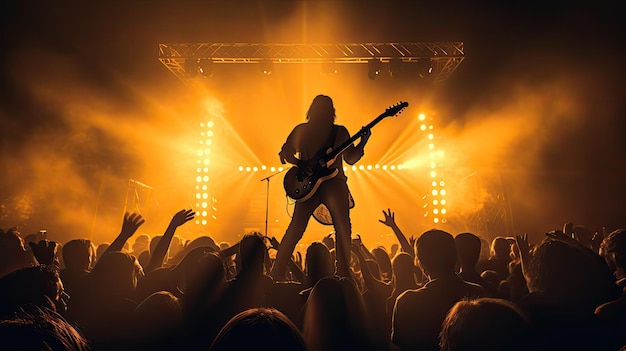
[485,324]
[613,249]
[501,248]
[570,275]
[141,244]
[117,273]
[40,330]
[318,262]
[13,255]
[436,252]
[403,267]
[79,254]
[468,249]
[252,252]
[334,317]
[263,329]
[321,110]
[36,286]
[101,249]
[157,318]
[383,260]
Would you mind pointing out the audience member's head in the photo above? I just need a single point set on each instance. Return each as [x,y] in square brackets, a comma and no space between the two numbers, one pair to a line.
[252,253]
[35,286]
[318,263]
[263,329]
[486,324]
[40,329]
[569,275]
[501,248]
[13,254]
[157,319]
[436,252]
[403,268]
[117,273]
[101,249]
[141,243]
[383,260]
[79,254]
[468,249]
[613,249]
[331,317]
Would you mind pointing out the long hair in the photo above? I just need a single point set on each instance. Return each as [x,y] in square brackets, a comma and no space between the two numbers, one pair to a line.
[321,110]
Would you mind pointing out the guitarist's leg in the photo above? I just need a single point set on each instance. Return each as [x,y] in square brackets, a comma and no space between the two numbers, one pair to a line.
[301,214]
[335,196]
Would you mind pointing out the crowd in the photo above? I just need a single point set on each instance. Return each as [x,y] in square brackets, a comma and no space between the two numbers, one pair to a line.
[437,291]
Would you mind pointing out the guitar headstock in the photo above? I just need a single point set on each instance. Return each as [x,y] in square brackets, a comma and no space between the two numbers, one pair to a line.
[396,109]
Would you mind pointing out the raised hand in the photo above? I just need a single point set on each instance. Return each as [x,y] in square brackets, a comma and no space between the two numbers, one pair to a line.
[44,251]
[389,219]
[159,254]
[130,224]
[273,242]
[181,217]
[524,250]
[560,235]
[522,244]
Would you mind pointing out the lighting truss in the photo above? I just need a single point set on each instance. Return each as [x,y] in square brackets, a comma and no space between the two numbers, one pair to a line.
[445,56]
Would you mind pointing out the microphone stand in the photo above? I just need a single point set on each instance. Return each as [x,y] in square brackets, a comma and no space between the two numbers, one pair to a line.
[267,195]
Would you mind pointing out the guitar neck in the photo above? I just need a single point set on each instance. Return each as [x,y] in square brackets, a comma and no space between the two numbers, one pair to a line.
[341,148]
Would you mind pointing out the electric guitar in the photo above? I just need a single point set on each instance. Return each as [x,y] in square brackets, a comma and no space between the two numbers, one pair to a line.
[301,184]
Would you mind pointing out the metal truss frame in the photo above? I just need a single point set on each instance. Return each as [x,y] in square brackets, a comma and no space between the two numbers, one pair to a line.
[445,56]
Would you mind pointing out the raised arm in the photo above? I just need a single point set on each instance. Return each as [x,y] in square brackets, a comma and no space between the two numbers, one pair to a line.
[157,258]
[390,221]
[130,224]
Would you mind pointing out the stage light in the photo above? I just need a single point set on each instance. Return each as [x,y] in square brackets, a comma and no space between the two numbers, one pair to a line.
[424,67]
[191,67]
[205,67]
[421,117]
[266,67]
[373,68]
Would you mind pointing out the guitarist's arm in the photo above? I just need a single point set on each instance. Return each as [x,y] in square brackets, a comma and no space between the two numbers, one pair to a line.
[287,153]
[353,154]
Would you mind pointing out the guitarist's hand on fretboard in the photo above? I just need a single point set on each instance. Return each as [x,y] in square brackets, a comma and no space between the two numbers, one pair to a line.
[365,134]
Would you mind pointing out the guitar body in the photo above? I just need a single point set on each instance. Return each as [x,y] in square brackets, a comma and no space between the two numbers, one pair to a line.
[300,186]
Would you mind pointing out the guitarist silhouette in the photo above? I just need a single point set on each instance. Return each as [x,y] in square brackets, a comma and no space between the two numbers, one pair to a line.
[306,142]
